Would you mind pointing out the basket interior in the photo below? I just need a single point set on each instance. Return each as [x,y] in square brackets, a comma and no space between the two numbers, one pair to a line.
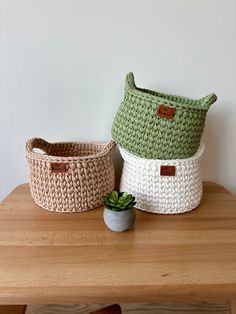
[73,149]
[202,103]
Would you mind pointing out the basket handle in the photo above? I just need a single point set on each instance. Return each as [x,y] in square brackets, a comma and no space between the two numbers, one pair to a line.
[36,143]
[129,80]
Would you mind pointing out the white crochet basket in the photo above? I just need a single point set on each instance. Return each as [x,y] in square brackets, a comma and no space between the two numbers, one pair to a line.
[163,186]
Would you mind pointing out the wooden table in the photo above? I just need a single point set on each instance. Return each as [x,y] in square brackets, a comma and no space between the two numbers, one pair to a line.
[73,258]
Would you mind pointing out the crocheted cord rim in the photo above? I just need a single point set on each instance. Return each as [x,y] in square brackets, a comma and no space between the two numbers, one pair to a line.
[203,103]
[64,211]
[126,155]
[39,143]
[168,212]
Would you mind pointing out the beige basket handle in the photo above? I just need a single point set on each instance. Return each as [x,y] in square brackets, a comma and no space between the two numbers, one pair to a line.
[36,143]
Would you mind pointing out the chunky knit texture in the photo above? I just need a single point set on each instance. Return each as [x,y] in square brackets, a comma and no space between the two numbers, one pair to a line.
[139,129]
[162,194]
[83,174]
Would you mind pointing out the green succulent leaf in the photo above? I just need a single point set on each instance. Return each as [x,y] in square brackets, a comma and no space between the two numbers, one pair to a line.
[114,196]
[118,201]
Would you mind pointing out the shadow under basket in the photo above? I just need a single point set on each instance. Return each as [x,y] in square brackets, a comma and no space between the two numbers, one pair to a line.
[70,176]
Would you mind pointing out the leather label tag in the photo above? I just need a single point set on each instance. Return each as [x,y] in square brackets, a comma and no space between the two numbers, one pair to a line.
[165,112]
[168,171]
[58,167]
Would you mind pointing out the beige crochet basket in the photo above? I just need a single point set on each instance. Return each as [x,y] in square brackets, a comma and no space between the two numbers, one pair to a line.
[70,176]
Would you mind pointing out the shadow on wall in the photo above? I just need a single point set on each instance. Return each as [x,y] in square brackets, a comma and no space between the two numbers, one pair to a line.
[215,130]
[118,164]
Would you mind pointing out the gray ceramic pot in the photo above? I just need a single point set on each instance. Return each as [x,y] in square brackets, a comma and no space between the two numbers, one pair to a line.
[119,221]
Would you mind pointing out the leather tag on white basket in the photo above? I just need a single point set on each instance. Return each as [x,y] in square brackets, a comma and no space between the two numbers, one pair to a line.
[168,171]
[166,112]
[58,167]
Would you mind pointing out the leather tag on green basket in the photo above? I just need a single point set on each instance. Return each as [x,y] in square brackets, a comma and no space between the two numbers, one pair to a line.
[58,167]
[168,171]
[165,112]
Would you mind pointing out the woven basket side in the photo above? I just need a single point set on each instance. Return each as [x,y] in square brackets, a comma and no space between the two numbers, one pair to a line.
[163,194]
[137,128]
[79,189]
[80,185]
[159,126]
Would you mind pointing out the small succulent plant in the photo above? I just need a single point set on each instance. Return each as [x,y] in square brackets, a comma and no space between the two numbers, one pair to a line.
[119,201]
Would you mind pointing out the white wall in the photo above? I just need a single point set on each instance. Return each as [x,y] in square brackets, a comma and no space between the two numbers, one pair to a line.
[63,62]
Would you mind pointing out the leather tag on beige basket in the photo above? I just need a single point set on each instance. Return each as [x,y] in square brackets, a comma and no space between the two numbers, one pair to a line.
[166,112]
[58,167]
[168,171]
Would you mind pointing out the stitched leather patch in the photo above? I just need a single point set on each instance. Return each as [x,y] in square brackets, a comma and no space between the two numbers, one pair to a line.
[58,167]
[165,112]
[168,171]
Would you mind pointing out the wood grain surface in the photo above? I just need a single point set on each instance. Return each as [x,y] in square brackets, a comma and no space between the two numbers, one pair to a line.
[162,308]
[233,306]
[73,258]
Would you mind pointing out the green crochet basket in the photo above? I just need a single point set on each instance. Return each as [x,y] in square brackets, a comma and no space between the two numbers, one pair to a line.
[159,126]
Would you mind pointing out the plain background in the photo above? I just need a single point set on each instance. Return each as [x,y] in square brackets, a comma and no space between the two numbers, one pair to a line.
[63,63]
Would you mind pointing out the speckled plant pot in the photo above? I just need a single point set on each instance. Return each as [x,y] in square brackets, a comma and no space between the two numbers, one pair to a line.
[119,221]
